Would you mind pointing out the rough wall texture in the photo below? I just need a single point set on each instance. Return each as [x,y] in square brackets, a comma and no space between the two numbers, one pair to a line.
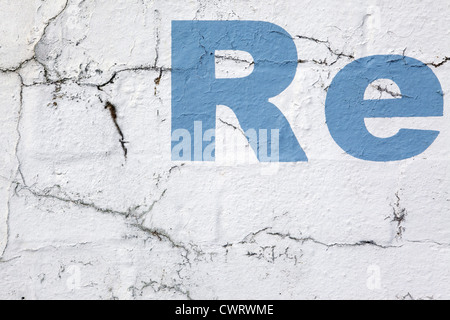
[91,205]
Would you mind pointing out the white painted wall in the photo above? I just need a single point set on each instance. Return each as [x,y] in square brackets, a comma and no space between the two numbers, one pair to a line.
[78,220]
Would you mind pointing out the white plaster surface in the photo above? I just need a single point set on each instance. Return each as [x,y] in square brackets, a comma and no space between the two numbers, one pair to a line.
[79,220]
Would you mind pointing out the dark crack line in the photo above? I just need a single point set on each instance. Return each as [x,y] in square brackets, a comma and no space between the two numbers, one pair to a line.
[159,234]
[234,59]
[399,216]
[340,245]
[19,134]
[439,64]
[158,287]
[150,209]
[113,110]
[391,93]
[44,32]
[116,73]
[9,260]
[158,79]
[157,16]
[410,297]
[234,127]
[78,202]
[19,166]
[20,66]
[251,239]
[327,44]
[440,244]
[268,253]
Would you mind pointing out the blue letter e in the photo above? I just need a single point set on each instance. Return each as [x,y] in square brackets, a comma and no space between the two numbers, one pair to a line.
[196,91]
[346,109]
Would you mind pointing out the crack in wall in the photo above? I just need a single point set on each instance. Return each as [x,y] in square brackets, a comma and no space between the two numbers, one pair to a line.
[234,59]
[55,247]
[439,64]
[187,250]
[46,194]
[399,217]
[18,168]
[268,254]
[2,261]
[34,56]
[440,244]
[159,234]
[116,73]
[233,127]
[361,243]
[150,209]
[22,85]
[157,19]
[17,69]
[163,236]
[410,297]
[251,239]
[158,287]
[113,110]
[327,44]
[386,90]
